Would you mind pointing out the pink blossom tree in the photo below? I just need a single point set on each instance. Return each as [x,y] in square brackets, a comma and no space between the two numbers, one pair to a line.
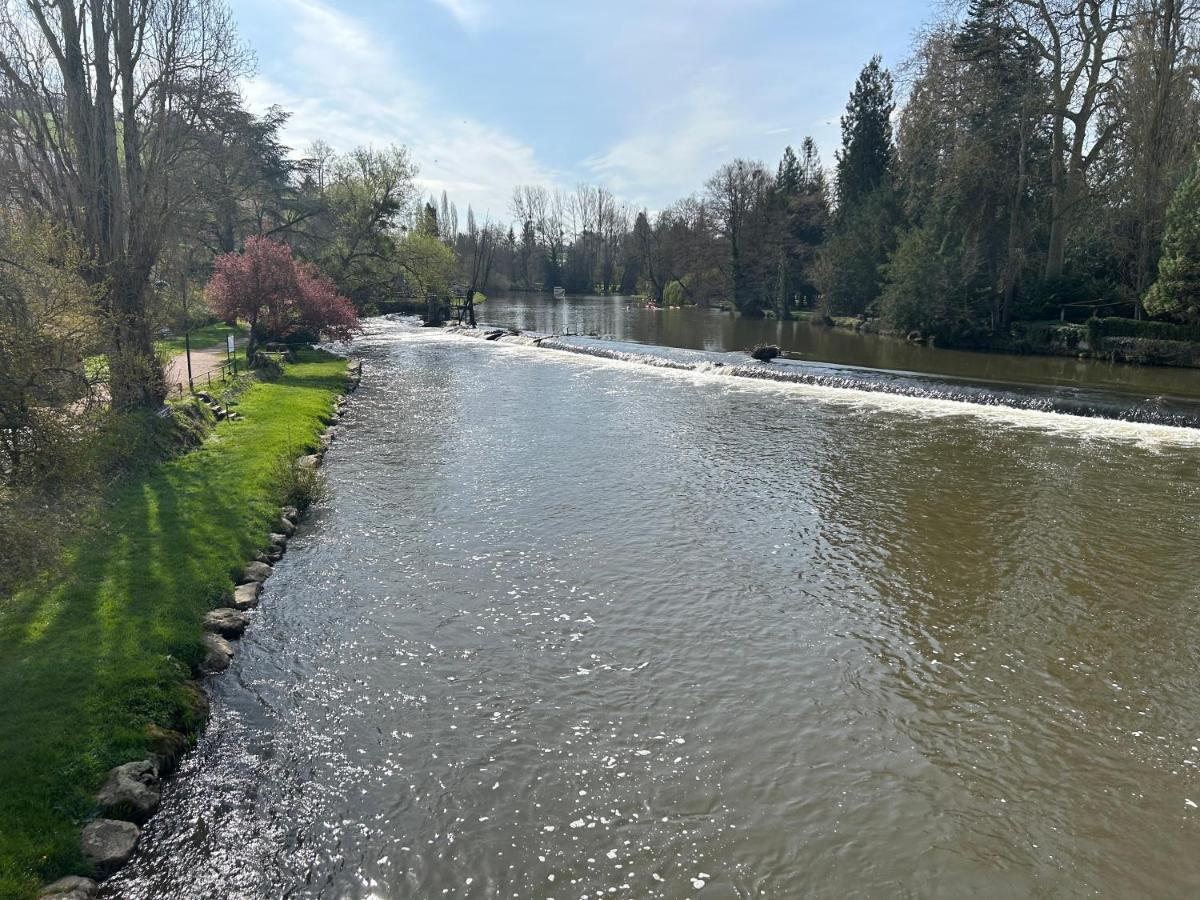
[277,294]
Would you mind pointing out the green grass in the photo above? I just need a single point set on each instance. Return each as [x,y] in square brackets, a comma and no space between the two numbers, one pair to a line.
[168,348]
[91,660]
[202,338]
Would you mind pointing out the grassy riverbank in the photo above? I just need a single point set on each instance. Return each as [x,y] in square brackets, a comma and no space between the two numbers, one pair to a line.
[91,661]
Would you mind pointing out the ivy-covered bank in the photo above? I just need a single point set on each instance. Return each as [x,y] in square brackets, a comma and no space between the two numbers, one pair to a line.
[96,665]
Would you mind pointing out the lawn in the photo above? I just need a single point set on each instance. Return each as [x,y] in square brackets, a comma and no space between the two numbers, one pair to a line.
[202,338]
[88,662]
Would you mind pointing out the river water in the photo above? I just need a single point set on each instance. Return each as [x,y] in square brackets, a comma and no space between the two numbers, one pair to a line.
[574,626]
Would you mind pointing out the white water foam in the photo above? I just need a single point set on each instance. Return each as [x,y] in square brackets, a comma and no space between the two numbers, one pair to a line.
[1150,436]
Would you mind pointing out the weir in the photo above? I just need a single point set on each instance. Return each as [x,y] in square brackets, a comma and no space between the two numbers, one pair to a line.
[1164,411]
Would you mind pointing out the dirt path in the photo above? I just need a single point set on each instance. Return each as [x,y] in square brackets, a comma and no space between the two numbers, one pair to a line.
[205,361]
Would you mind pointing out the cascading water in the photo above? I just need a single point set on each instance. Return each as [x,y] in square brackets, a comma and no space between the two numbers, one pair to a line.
[1066,401]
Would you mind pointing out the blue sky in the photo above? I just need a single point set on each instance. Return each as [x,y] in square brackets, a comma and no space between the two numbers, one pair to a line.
[646,98]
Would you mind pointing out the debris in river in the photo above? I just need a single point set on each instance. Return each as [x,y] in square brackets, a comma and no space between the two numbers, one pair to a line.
[765,352]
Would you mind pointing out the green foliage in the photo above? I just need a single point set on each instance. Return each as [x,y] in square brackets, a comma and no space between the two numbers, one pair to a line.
[427,264]
[866,156]
[850,265]
[1148,329]
[90,660]
[298,485]
[674,293]
[1176,293]
[922,292]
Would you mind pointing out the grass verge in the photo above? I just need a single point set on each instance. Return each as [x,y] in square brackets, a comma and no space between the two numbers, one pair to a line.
[201,338]
[90,661]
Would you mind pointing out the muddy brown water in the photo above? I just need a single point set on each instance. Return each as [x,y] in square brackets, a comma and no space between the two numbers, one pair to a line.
[584,627]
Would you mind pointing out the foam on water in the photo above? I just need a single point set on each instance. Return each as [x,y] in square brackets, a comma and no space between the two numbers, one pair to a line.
[1048,411]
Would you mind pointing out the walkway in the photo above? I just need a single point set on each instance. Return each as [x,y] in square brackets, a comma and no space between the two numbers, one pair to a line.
[204,361]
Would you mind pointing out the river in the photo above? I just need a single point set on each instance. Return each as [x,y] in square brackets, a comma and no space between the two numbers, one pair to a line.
[574,626]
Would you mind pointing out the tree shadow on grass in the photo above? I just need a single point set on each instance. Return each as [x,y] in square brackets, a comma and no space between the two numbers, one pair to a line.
[86,664]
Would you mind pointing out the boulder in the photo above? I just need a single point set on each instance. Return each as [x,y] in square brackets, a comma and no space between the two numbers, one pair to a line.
[290,512]
[229,623]
[131,791]
[217,654]
[278,541]
[286,527]
[309,462]
[263,558]
[70,888]
[167,748]
[245,596]
[256,571]
[108,844]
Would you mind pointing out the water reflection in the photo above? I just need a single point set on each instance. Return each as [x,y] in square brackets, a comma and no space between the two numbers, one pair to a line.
[625,319]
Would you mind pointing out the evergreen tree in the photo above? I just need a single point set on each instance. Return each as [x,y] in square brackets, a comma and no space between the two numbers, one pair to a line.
[1177,291]
[429,220]
[789,179]
[851,265]
[865,159]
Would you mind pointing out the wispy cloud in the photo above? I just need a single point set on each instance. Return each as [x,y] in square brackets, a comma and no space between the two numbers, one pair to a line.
[346,87]
[469,13]
[704,123]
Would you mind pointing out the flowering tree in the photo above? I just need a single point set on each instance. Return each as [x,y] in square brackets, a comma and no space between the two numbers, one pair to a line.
[277,294]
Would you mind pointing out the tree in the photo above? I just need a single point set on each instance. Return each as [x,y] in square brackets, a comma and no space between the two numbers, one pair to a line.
[1078,42]
[850,269]
[369,195]
[737,195]
[971,135]
[865,159]
[103,103]
[1157,118]
[277,295]
[47,328]
[1176,293]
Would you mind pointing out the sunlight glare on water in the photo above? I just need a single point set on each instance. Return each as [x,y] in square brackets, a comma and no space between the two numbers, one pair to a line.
[572,627]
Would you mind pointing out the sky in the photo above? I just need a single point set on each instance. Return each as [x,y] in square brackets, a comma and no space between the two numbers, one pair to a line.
[645,98]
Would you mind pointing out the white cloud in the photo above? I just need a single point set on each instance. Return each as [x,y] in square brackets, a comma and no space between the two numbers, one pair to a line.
[469,13]
[675,158]
[346,87]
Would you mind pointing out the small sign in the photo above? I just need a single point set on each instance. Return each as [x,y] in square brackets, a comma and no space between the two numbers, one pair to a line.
[229,342]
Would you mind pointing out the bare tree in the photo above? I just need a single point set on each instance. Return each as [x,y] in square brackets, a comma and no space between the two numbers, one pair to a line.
[102,103]
[1080,43]
[1158,116]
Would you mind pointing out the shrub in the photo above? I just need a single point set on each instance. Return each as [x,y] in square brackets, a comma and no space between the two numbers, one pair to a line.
[1114,326]
[298,485]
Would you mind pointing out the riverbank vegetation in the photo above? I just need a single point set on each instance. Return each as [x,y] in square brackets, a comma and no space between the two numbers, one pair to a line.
[96,658]
[1021,167]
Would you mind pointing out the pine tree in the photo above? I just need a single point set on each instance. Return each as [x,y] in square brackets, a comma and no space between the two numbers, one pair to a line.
[789,179]
[1177,291]
[850,268]
[865,159]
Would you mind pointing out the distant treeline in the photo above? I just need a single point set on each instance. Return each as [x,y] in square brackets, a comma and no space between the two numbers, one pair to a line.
[1039,162]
